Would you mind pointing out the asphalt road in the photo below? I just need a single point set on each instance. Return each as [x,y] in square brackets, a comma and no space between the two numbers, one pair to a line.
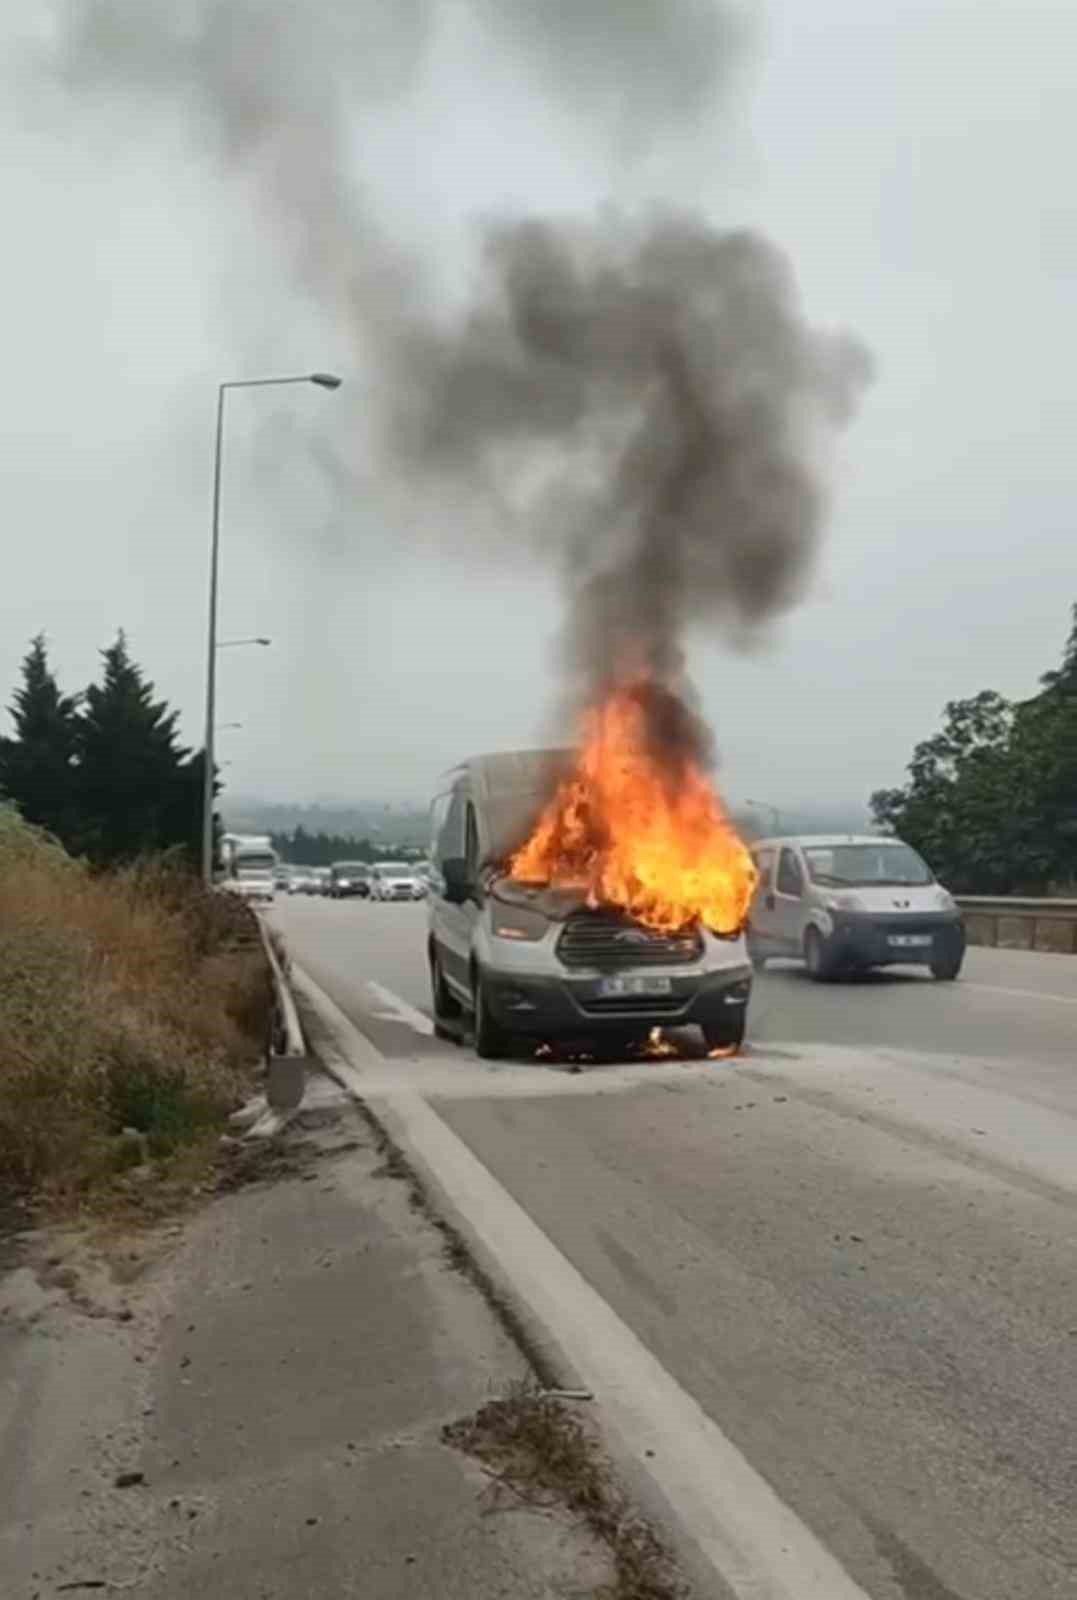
[854,1246]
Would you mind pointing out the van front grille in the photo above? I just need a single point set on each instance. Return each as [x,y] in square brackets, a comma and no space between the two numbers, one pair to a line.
[610,941]
[634,1005]
[908,925]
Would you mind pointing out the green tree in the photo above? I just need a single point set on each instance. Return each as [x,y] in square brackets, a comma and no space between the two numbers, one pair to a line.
[322,849]
[38,767]
[135,783]
[991,800]
[1045,755]
[182,818]
[954,807]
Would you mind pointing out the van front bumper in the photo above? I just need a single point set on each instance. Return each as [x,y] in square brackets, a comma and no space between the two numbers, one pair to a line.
[570,1007]
[873,939]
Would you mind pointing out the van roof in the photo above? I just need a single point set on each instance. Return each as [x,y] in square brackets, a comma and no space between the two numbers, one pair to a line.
[510,788]
[510,771]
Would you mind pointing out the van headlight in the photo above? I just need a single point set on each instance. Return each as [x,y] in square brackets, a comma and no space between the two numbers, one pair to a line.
[843,902]
[945,899]
[515,922]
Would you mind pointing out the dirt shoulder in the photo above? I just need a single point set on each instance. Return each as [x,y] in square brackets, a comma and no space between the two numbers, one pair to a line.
[258,1399]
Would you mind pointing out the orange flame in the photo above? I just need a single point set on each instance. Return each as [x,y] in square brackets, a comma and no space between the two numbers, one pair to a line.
[722,1052]
[629,834]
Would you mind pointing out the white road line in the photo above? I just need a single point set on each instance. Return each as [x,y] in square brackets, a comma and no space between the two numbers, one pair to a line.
[1022,994]
[752,1539]
[399,1010]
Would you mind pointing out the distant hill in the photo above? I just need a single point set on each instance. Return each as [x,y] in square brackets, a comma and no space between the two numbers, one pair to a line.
[404,823]
[399,824]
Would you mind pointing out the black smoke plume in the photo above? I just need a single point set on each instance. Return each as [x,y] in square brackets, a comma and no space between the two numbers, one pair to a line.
[649,391]
[668,375]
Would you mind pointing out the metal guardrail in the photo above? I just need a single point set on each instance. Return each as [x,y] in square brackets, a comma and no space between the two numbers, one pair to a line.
[287,1050]
[1015,922]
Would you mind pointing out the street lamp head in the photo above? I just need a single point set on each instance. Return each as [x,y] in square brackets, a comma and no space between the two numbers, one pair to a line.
[326,380]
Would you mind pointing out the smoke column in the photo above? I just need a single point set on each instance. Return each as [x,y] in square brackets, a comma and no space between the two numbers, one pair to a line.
[666,370]
[653,381]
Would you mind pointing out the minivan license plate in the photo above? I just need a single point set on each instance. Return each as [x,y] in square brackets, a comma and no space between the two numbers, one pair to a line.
[611,987]
[910,941]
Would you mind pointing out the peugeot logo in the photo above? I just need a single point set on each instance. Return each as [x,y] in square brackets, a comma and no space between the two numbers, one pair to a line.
[632,936]
[902,905]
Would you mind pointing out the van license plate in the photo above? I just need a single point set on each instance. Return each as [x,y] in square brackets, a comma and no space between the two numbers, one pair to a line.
[609,988]
[910,941]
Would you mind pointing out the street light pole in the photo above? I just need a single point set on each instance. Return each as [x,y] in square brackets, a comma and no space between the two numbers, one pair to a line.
[324,380]
[209,774]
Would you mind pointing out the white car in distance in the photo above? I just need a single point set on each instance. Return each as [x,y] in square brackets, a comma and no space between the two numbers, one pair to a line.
[396,880]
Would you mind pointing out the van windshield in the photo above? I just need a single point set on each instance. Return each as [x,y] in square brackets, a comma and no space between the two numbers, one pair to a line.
[861,865]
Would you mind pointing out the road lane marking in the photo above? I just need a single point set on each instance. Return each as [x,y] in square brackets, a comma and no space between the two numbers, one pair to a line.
[1022,994]
[397,1010]
[754,1542]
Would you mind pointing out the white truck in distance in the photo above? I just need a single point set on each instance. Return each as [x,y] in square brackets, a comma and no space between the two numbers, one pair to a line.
[250,866]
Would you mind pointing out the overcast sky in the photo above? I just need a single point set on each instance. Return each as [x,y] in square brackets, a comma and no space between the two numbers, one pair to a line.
[915,162]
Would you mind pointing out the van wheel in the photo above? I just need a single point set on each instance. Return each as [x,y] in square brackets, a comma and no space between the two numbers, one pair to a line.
[491,1040]
[946,968]
[756,957]
[817,959]
[725,1035]
[446,1006]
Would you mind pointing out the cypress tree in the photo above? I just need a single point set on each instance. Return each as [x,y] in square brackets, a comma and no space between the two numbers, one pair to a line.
[38,767]
[132,782]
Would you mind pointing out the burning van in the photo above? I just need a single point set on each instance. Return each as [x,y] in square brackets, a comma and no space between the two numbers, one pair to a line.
[582,894]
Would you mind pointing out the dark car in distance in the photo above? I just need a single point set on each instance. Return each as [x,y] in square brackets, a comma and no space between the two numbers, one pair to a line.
[349,880]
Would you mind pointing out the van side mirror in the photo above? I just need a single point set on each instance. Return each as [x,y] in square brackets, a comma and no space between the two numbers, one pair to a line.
[458,884]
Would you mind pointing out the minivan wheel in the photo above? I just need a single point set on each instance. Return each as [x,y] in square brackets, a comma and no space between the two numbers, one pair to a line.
[727,1034]
[491,1040]
[756,957]
[819,962]
[947,967]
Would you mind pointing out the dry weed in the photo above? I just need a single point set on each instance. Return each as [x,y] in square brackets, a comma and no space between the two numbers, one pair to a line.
[128,1001]
[535,1449]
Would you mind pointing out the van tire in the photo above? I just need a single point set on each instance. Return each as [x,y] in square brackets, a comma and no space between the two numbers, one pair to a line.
[725,1035]
[946,968]
[446,1006]
[756,957]
[817,959]
[491,1040]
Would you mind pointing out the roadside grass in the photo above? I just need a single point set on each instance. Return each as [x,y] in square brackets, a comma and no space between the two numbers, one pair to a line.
[133,1008]
[536,1451]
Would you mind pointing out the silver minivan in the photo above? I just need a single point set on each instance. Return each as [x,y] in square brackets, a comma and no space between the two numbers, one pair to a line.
[848,902]
[516,959]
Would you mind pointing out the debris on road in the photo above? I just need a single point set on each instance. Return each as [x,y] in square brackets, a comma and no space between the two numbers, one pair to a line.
[536,1451]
